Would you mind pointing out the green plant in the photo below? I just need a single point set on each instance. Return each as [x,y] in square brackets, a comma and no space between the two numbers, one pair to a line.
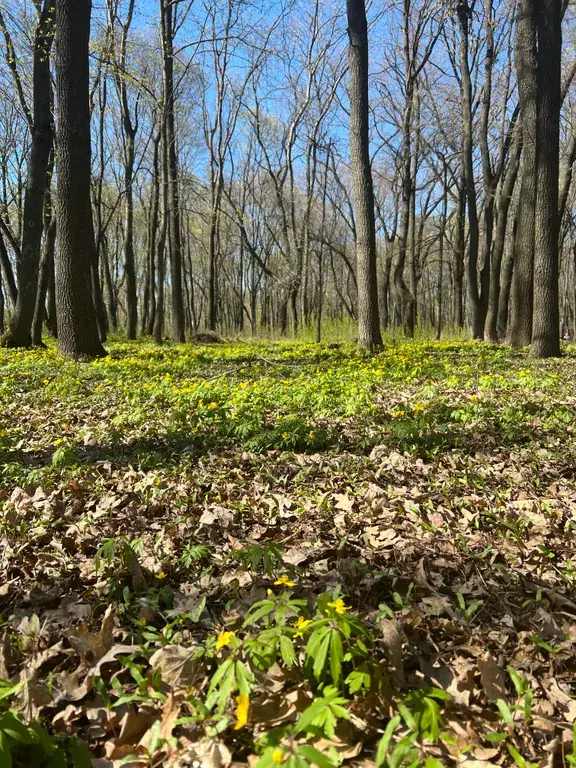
[468,611]
[266,557]
[31,746]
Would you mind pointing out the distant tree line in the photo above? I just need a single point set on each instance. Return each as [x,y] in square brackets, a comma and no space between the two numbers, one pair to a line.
[250,166]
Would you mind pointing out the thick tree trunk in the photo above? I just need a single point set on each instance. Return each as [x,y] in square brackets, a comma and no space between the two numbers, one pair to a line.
[546,320]
[19,333]
[77,326]
[521,297]
[368,321]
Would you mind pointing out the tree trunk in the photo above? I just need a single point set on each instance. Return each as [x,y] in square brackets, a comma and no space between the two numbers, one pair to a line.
[77,326]
[458,257]
[19,332]
[8,272]
[546,319]
[47,258]
[368,321]
[491,328]
[175,235]
[476,309]
[521,297]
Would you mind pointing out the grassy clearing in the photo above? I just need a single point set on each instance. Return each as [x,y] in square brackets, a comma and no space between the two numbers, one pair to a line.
[286,553]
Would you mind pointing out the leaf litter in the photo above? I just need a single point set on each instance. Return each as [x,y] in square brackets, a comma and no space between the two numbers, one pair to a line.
[448,530]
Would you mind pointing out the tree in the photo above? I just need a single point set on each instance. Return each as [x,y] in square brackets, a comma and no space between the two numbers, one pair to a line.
[76,314]
[40,125]
[129,131]
[535,294]
[369,335]
[171,157]
[546,321]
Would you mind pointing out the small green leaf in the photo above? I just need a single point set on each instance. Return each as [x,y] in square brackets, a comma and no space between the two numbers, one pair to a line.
[504,710]
[321,655]
[385,741]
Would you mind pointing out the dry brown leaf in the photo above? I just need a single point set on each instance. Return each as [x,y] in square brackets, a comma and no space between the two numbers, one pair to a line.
[133,726]
[493,678]
[176,665]
[94,644]
[344,502]
[137,574]
[210,754]
[392,639]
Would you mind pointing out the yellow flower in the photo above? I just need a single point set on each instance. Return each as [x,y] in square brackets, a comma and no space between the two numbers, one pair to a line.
[213,405]
[242,711]
[418,407]
[311,435]
[161,575]
[46,382]
[278,756]
[301,625]
[284,581]
[224,639]
[339,606]
[473,398]
[59,441]
[284,435]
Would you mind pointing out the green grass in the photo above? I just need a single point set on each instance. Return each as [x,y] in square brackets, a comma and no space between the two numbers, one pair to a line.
[420,396]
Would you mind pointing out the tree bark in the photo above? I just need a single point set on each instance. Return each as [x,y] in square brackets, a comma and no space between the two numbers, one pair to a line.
[491,329]
[77,326]
[368,321]
[174,233]
[521,297]
[19,333]
[546,319]
[476,307]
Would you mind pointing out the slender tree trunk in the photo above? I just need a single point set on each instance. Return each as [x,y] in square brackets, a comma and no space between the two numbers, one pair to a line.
[174,232]
[129,260]
[161,253]
[492,330]
[8,272]
[77,326]
[368,321]
[439,283]
[47,258]
[153,234]
[386,272]
[477,319]
[458,256]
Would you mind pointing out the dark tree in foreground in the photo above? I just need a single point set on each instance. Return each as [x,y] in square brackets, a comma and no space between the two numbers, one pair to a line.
[77,326]
[546,320]
[368,321]
[535,310]
[40,125]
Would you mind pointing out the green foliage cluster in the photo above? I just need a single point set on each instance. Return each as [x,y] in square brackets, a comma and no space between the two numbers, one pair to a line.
[148,403]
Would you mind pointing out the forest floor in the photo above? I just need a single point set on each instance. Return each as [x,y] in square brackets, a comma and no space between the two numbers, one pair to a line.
[288,554]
